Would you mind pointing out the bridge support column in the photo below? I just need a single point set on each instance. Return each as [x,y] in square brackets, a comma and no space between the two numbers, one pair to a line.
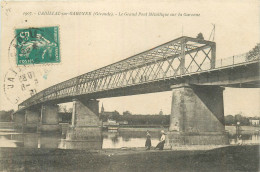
[31,120]
[49,119]
[197,116]
[19,121]
[85,131]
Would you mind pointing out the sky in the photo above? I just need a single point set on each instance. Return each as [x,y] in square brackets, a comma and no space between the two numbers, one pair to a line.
[236,101]
[91,42]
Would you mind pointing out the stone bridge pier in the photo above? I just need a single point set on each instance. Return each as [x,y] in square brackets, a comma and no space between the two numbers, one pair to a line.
[44,119]
[197,116]
[86,127]
[19,121]
[49,120]
[32,120]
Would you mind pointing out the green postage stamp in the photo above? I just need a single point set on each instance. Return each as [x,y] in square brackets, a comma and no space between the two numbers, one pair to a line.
[37,45]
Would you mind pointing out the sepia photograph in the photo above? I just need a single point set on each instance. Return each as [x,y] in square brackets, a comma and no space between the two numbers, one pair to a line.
[126,86]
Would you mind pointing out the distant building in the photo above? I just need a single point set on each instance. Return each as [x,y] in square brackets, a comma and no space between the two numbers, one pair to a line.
[123,122]
[111,124]
[254,121]
[161,112]
[111,121]
[105,115]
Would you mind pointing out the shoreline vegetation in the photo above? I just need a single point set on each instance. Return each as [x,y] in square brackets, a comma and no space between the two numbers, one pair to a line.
[229,158]
[230,128]
[65,115]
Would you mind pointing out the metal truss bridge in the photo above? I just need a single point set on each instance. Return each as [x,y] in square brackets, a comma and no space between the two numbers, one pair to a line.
[183,60]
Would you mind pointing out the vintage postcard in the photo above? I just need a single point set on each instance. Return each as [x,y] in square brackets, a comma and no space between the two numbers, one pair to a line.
[130,85]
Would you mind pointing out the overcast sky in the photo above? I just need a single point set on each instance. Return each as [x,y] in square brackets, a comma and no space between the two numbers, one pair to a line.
[91,42]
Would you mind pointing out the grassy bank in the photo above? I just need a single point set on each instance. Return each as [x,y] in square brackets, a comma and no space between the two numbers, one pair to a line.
[232,158]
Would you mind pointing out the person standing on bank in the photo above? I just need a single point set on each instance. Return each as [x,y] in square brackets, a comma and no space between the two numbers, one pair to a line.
[160,145]
[148,143]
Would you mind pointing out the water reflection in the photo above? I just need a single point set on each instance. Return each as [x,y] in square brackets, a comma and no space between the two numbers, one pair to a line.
[242,139]
[31,140]
[49,141]
[83,138]
[89,138]
[6,142]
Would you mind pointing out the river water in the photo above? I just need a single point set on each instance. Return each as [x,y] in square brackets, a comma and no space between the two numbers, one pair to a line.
[124,138]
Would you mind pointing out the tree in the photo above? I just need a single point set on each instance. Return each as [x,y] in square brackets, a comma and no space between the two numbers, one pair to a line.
[127,113]
[62,108]
[70,110]
[232,120]
[115,115]
[6,116]
[229,120]
[238,118]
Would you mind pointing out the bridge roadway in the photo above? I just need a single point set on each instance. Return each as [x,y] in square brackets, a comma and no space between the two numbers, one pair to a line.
[186,65]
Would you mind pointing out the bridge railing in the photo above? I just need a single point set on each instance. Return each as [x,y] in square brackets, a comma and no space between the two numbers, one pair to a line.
[229,61]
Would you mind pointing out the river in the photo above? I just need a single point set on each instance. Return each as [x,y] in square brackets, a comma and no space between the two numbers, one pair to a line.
[123,138]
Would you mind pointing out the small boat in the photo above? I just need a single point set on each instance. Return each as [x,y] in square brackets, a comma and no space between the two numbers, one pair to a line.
[111,125]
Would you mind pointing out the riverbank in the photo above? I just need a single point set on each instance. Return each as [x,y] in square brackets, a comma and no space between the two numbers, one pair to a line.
[230,158]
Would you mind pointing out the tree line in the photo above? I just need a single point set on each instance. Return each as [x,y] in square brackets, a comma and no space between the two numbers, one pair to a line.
[6,116]
[136,119]
[232,120]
